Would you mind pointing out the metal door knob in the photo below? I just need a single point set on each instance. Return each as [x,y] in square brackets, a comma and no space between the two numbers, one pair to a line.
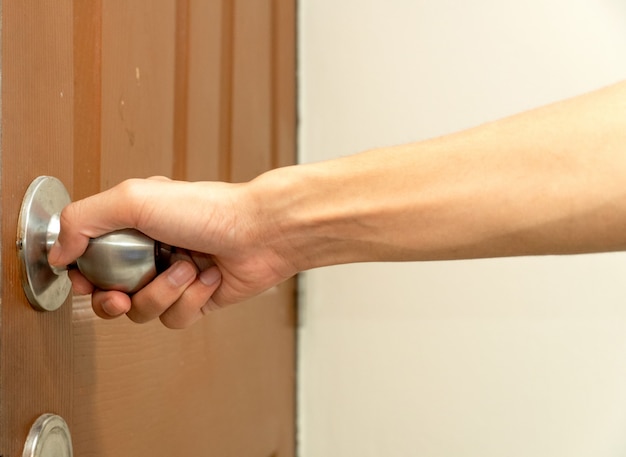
[124,260]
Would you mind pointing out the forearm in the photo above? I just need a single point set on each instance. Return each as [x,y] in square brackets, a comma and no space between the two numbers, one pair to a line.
[548,181]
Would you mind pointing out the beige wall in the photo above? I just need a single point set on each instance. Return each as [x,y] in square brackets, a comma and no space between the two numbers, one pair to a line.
[508,357]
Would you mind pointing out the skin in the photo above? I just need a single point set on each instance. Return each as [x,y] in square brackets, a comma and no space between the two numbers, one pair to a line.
[548,181]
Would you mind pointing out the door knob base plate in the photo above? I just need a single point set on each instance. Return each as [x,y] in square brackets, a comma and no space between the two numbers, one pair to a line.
[38,227]
[49,436]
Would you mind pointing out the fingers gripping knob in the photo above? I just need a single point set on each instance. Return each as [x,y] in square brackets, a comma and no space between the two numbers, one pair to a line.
[124,260]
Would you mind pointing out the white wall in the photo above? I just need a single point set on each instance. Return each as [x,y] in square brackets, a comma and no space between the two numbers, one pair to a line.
[508,357]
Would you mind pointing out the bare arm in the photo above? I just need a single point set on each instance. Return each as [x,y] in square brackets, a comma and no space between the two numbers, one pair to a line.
[549,181]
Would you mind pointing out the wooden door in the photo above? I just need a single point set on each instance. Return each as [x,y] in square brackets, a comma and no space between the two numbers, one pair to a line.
[96,91]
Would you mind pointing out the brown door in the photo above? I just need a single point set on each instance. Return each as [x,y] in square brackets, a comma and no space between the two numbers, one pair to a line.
[96,91]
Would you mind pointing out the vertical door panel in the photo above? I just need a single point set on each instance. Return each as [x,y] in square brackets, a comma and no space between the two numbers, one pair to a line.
[37,95]
[283,83]
[226,386]
[138,43]
[87,97]
[204,96]
[252,89]
[94,92]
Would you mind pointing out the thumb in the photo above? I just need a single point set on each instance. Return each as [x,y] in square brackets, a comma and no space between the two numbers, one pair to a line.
[89,218]
[68,246]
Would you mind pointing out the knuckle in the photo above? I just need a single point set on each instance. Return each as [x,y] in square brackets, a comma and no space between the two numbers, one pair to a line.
[140,316]
[129,189]
[66,215]
[173,324]
[137,319]
[153,301]
[159,178]
[135,197]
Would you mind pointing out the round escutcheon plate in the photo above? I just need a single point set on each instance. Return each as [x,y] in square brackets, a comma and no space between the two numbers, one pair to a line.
[38,222]
[48,437]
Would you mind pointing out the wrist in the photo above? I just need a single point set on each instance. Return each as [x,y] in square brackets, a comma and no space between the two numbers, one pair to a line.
[277,215]
[308,214]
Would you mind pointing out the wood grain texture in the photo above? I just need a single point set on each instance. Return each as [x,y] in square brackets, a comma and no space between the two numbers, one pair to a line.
[36,350]
[138,65]
[226,89]
[227,385]
[94,92]
[208,122]
[284,83]
[181,89]
[252,111]
[223,387]
[87,96]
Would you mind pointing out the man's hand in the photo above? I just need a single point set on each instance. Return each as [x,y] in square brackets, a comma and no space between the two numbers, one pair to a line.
[226,259]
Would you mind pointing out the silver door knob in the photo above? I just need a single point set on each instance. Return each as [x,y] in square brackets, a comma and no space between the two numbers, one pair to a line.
[124,260]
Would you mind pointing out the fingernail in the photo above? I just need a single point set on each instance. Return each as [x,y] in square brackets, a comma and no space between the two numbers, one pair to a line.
[210,276]
[181,272]
[109,308]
